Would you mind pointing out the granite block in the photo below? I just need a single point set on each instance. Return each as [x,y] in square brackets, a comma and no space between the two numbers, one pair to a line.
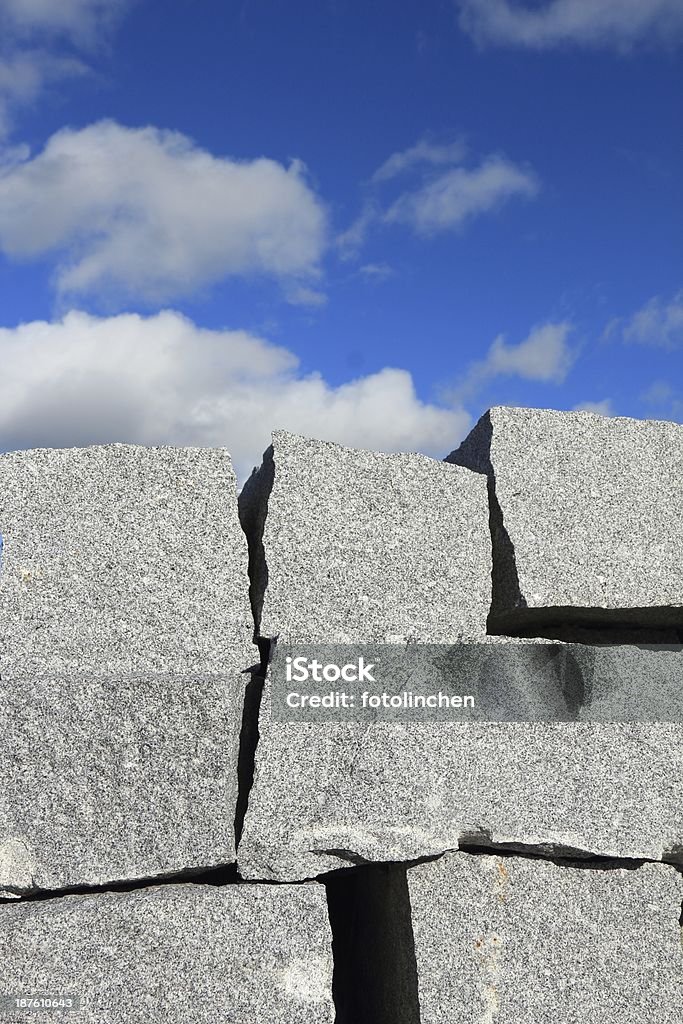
[327,795]
[587,517]
[121,558]
[351,545]
[519,941]
[110,778]
[174,953]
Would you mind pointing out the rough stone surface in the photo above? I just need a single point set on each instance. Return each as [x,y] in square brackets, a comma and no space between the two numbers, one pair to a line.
[241,953]
[516,941]
[329,795]
[121,558]
[108,778]
[343,558]
[363,546]
[587,518]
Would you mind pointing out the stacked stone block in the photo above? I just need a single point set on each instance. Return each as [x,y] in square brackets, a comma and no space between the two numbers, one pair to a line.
[520,941]
[176,953]
[486,872]
[587,518]
[124,635]
[355,546]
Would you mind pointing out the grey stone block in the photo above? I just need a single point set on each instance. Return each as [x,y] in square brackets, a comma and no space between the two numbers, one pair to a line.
[111,778]
[121,558]
[329,795]
[587,517]
[358,546]
[125,628]
[332,552]
[516,941]
[242,953]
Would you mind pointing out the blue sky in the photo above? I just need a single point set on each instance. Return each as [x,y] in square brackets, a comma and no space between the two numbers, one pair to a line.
[366,222]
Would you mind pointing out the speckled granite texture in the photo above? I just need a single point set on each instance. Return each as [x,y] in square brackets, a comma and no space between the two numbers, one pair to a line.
[364,546]
[113,778]
[125,630]
[587,516]
[121,558]
[172,954]
[514,941]
[131,730]
[326,796]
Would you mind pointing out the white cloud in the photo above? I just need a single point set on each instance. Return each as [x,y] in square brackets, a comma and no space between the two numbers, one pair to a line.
[299,295]
[658,393]
[658,323]
[29,32]
[545,356]
[444,199]
[663,400]
[602,408]
[23,76]
[618,24]
[146,213]
[350,242]
[164,380]
[83,21]
[460,194]
[423,152]
[376,271]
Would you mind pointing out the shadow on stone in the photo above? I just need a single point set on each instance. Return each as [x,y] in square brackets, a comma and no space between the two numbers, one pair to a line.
[375,972]
[593,626]
[253,509]
[249,737]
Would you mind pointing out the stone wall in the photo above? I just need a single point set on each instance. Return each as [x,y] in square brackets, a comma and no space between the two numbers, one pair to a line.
[169,852]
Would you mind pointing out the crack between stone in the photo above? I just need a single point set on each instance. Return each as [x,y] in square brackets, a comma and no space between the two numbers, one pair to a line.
[253,511]
[248,742]
[476,844]
[473,844]
[252,506]
[220,874]
[375,967]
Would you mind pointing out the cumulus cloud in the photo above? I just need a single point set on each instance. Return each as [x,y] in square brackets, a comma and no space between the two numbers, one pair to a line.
[659,323]
[618,24]
[545,356]
[423,152]
[459,194]
[146,213]
[164,380]
[602,408]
